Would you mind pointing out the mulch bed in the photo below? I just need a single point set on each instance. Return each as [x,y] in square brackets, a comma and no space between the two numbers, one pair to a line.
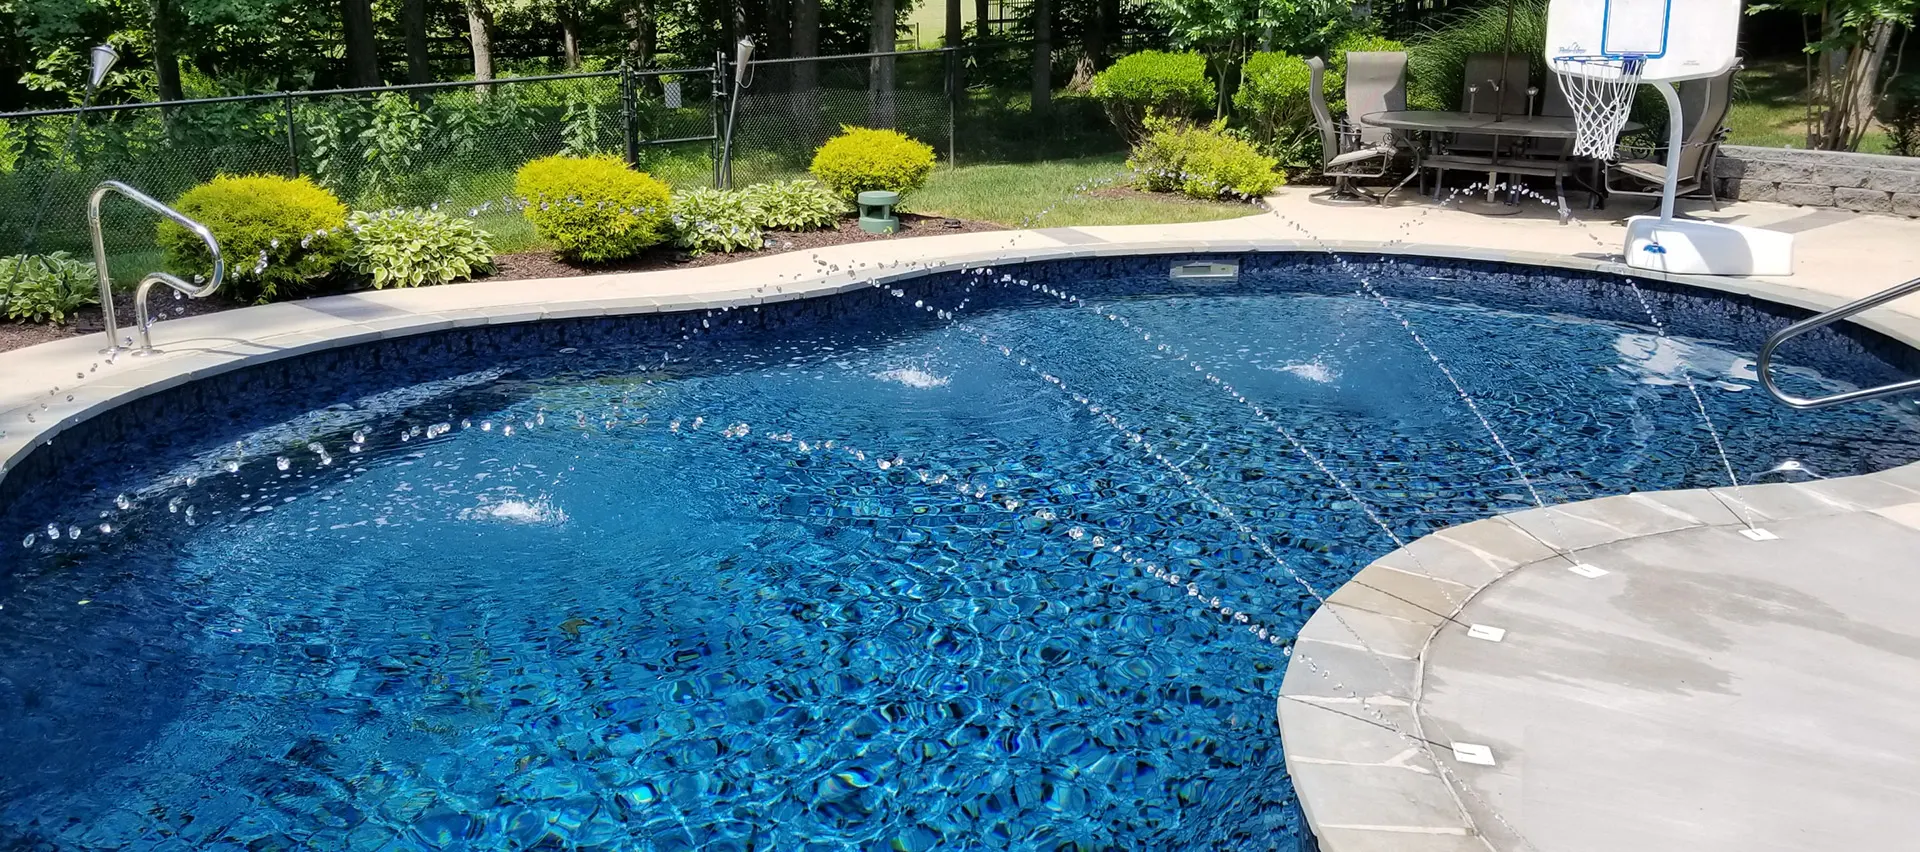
[17,335]
[507,267]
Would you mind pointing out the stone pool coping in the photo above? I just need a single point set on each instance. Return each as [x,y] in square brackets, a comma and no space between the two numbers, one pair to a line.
[1395,604]
[51,386]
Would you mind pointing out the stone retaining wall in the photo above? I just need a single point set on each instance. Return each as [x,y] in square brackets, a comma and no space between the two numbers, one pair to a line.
[1866,183]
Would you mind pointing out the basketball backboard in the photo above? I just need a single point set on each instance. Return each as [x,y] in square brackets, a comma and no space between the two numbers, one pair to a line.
[1678,39]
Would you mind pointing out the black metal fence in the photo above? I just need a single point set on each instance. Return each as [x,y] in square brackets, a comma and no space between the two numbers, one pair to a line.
[459,144]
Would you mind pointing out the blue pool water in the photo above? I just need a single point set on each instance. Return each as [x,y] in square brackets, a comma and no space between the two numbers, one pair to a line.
[631,599]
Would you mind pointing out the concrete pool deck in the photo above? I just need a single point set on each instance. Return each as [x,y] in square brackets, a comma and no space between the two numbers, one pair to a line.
[1406,676]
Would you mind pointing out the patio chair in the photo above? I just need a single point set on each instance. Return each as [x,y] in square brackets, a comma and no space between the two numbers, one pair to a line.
[1703,109]
[1348,149]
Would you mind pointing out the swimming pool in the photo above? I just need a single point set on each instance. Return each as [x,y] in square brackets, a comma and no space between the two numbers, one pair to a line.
[832,574]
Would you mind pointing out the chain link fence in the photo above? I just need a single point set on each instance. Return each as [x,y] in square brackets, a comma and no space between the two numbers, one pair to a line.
[458,145]
[790,107]
[455,145]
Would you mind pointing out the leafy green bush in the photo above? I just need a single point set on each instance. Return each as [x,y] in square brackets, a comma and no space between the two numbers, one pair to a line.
[46,287]
[1899,112]
[1274,95]
[411,248]
[1152,81]
[795,205]
[715,220]
[1203,162]
[1362,42]
[594,208]
[862,159]
[280,236]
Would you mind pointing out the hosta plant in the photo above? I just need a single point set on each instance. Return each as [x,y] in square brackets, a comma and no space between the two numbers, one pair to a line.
[46,287]
[795,205]
[715,220]
[415,248]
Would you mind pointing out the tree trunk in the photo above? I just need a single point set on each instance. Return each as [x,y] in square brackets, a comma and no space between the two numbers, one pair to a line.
[363,55]
[954,33]
[1863,77]
[640,31]
[980,15]
[777,78]
[166,61]
[880,69]
[1042,58]
[480,33]
[413,20]
[806,42]
[779,29]
[569,35]
[1092,56]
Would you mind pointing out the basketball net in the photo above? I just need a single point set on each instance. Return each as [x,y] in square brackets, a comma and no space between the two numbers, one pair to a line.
[1600,90]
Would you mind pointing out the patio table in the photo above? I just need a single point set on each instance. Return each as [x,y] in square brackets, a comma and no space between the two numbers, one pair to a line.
[1515,126]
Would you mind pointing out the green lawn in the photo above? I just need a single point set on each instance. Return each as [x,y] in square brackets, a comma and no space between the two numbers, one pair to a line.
[1055,194]
[1770,107]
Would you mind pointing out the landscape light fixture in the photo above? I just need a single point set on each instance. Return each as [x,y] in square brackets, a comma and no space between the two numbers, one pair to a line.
[104,56]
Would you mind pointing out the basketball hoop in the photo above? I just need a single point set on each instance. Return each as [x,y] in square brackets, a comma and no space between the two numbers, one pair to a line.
[1600,90]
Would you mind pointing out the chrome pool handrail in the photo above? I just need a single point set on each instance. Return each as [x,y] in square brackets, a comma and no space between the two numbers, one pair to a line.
[1764,363]
[146,284]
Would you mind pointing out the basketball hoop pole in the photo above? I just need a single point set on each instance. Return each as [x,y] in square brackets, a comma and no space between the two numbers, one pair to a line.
[1676,139]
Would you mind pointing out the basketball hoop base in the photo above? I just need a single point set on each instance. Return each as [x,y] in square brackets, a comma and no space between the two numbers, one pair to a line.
[1689,247]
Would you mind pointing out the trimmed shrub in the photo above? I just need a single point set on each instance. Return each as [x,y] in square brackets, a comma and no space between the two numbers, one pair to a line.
[281,237]
[1202,162]
[1274,96]
[594,209]
[46,287]
[1152,82]
[412,248]
[795,205]
[707,220]
[862,159]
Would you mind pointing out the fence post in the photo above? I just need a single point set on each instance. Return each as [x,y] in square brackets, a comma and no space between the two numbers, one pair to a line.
[293,136]
[629,115]
[954,93]
[719,95]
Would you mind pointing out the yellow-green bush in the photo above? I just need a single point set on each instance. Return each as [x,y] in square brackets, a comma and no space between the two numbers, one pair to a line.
[279,236]
[862,159]
[1203,162]
[1151,82]
[594,208]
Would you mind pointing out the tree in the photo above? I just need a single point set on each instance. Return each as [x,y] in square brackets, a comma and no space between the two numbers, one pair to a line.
[953,33]
[1042,58]
[1855,36]
[413,23]
[480,35]
[641,31]
[1226,29]
[569,33]
[363,55]
[885,28]
[166,62]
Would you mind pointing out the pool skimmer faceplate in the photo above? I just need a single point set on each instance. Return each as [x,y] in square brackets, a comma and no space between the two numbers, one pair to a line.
[1491,634]
[1473,753]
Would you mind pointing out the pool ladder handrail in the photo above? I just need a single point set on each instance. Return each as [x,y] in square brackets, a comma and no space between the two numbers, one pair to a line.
[196,291]
[1764,363]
